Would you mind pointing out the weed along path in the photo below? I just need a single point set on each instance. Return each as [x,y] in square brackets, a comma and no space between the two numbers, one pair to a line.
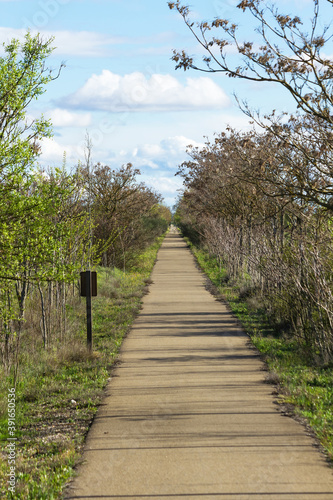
[187,413]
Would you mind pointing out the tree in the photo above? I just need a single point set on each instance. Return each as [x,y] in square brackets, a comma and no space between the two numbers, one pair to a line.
[23,77]
[243,201]
[294,57]
[119,204]
[290,54]
[261,201]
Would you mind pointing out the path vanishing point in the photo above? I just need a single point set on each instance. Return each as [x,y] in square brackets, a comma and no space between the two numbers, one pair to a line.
[187,413]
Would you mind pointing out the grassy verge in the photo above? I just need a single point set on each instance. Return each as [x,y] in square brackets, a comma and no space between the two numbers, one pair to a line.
[305,390]
[59,391]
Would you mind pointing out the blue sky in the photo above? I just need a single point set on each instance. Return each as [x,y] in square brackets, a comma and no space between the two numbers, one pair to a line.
[120,85]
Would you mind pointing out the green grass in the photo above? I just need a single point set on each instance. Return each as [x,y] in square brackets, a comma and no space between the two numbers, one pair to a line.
[59,391]
[305,389]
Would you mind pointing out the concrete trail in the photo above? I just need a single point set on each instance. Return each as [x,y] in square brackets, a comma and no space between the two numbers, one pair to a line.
[187,413]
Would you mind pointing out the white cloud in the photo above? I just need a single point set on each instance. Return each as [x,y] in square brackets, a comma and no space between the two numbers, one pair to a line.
[84,43]
[179,144]
[136,92]
[52,151]
[64,118]
[157,162]
[75,43]
[169,188]
[166,185]
[168,153]
[91,43]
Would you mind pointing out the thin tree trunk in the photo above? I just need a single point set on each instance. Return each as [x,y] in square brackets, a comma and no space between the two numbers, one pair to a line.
[44,326]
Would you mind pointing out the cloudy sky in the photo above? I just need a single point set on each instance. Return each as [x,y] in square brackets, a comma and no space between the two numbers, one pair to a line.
[120,85]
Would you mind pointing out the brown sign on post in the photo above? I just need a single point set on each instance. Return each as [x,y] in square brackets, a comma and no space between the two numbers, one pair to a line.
[93,283]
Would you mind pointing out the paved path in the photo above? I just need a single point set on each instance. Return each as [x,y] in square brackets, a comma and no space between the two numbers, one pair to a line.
[187,414]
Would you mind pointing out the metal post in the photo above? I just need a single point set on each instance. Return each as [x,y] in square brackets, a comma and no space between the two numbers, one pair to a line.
[89,318]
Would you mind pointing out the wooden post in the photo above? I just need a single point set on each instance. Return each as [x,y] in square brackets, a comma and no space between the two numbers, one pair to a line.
[89,317]
[88,290]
